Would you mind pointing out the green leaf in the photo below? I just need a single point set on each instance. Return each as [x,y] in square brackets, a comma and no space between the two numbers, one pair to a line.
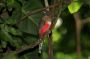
[14,31]
[3,44]
[59,55]
[56,35]
[10,21]
[17,42]
[74,6]
[10,2]
[5,36]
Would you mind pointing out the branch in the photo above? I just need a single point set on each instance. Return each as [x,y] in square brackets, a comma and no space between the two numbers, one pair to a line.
[87,20]
[35,11]
[46,4]
[50,46]
[1,4]
[34,44]
[78,31]
[29,17]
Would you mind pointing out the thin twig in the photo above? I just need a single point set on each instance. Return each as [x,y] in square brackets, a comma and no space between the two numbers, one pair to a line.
[31,19]
[87,20]
[35,11]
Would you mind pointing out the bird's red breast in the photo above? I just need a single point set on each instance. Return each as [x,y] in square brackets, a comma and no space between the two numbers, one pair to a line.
[45,28]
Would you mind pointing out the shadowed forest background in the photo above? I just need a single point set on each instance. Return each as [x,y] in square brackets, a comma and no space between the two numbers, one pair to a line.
[19,26]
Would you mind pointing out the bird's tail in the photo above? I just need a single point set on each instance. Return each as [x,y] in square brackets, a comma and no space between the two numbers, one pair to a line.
[40,47]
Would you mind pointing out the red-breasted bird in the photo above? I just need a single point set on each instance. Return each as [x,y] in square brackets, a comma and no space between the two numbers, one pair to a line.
[44,25]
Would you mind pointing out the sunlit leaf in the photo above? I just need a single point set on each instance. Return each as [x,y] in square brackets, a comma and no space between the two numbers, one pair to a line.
[68,57]
[59,55]
[74,6]
[56,35]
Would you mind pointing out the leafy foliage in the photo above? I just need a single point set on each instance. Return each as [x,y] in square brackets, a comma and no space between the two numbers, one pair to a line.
[17,29]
